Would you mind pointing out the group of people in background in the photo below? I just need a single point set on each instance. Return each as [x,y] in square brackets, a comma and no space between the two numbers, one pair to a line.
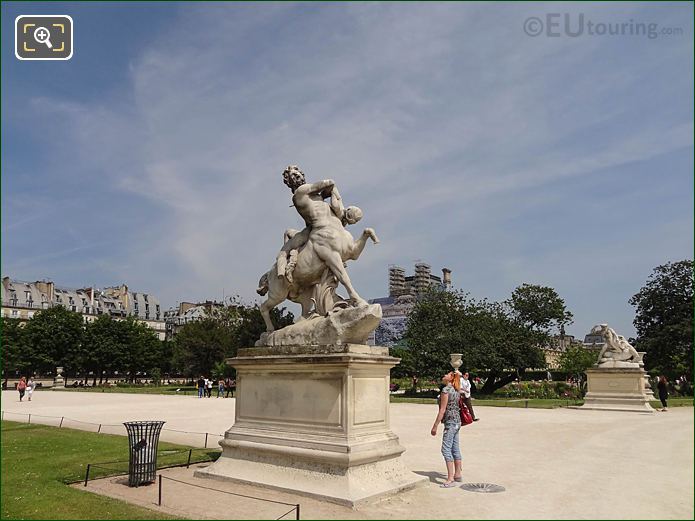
[225,387]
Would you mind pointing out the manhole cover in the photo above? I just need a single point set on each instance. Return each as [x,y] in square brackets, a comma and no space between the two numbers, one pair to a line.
[482,487]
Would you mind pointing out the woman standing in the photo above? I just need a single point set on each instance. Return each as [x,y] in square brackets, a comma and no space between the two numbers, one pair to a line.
[662,387]
[450,415]
[22,387]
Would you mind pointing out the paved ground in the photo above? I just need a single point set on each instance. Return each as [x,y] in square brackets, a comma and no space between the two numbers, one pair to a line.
[557,464]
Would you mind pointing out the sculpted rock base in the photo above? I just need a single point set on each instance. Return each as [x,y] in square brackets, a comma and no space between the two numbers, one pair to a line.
[346,326]
[613,364]
[617,389]
[314,421]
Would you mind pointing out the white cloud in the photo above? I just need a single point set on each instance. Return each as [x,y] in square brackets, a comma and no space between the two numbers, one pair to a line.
[424,114]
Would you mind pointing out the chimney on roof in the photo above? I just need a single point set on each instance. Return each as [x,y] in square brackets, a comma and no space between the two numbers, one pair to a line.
[446,277]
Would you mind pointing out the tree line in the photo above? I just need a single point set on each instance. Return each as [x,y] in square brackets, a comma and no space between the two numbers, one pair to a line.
[502,340]
[127,348]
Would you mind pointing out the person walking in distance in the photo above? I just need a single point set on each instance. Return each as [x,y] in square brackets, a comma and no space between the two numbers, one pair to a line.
[208,385]
[450,414]
[220,388]
[662,387]
[201,386]
[22,387]
[466,393]
[31,385]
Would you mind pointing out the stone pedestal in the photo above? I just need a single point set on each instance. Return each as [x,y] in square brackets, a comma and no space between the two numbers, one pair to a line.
[59,381]
[314,420]
[617,389]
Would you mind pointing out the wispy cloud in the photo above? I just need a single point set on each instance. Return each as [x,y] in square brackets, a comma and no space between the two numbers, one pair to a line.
[444,122]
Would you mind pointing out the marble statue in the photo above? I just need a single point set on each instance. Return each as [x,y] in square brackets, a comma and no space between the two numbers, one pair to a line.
[312,403]
[312,262]
[616,352]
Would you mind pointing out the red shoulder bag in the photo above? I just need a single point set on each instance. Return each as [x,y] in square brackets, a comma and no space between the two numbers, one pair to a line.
[466,417]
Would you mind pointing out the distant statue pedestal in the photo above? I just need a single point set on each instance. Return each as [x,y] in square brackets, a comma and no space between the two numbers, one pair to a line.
[617,389]
[59,381]
[314,421]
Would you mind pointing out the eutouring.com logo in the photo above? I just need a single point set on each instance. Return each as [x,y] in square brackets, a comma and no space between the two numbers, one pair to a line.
[558,25]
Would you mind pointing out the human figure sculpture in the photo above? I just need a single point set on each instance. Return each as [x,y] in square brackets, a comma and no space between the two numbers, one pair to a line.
[616,349]
[312,261]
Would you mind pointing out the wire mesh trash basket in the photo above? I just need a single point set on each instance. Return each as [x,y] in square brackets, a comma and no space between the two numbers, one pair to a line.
[143,437]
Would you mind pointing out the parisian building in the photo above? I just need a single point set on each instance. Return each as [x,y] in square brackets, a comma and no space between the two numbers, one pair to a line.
[23,300]
[186,312]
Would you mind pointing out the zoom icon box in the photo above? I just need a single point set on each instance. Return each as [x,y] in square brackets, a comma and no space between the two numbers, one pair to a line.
[43,37]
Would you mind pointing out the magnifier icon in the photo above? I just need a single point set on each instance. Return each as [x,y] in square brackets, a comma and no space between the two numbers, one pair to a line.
[43,35]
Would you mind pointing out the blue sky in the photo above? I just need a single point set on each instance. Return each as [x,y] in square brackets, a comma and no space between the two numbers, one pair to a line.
[153,157]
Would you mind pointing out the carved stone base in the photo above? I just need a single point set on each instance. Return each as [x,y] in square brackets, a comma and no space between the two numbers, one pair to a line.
[314,421]
[618,364]
[351,325]
[617,389]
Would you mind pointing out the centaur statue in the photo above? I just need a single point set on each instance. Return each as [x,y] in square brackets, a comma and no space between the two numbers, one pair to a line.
[312,262]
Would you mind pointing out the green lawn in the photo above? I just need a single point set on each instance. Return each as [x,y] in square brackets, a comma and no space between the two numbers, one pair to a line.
[674,402]
[38,461]
[148,389]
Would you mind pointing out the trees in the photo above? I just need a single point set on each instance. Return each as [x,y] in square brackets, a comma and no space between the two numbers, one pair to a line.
[202,344]
[54,338]
[13,347]
[105,346]
[488,335]
[407,366]
[249,324]
[664,319]
[143,348]
[540,308]
[576,359]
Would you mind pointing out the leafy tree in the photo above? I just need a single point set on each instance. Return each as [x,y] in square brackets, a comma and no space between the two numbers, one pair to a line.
[54,338]
[222,370]
[540,308]
[105,347]
[577,359]
[486,333]
[167,362]
[250,324]
[202,344]
[406,367]
[664,319]
[143,348]
[14,355]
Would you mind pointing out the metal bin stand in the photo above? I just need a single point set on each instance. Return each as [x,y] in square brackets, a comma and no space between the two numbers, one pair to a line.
[143,438]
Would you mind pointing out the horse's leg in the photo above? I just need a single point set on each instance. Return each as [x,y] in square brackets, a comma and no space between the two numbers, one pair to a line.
[307,306]
[359,244]
[277,293]
[335,264]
